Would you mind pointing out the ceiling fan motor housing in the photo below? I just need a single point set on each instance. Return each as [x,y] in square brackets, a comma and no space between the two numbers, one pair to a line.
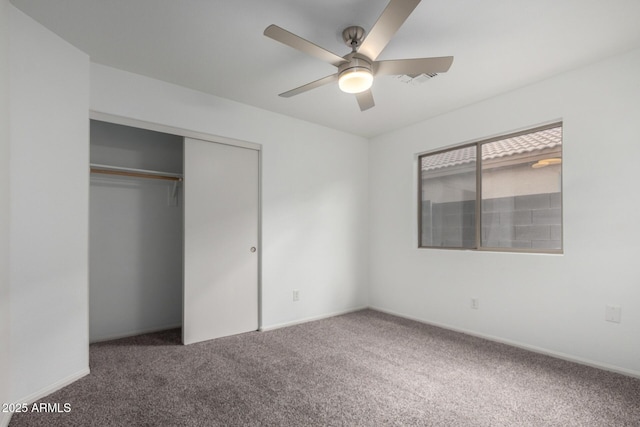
[355,62]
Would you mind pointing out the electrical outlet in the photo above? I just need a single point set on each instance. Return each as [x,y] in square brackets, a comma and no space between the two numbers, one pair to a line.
[613,313]
[296,295]
[475,303]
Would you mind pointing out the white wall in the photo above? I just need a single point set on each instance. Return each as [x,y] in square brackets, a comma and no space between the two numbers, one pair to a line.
[135,235]
[49,209]
[314,190]
[555,303]
[5,365]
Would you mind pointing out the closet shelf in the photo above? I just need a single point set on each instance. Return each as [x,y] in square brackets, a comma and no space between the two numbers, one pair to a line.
[138,173]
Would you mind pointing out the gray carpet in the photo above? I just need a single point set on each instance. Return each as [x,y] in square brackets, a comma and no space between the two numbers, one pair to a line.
[361,369]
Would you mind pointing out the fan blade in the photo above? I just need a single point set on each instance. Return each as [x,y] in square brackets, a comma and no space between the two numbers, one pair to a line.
[285,37]
[304,88]
[392,18]
[365,100]
[413,67]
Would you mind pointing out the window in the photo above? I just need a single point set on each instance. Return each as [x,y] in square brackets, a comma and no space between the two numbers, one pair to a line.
[500,194]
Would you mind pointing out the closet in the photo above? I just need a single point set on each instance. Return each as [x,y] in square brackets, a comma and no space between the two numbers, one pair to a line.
[173,235]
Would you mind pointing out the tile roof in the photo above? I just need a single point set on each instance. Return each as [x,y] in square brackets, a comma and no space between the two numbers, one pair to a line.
[527,143]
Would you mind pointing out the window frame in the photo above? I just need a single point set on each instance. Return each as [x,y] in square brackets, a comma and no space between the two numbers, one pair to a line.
[478,200]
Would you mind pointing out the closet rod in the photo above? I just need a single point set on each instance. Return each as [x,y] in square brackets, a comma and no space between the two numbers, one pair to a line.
[138,173]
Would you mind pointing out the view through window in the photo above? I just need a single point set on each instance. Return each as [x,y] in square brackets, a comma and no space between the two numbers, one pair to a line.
[502,194]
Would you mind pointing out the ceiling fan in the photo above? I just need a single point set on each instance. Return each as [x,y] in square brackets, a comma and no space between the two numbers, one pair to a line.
[357,69]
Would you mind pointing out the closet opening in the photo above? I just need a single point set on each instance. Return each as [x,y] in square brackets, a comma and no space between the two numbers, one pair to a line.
[135,231]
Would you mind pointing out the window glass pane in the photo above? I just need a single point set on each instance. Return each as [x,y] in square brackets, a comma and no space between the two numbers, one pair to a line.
[448,198]
[521,191]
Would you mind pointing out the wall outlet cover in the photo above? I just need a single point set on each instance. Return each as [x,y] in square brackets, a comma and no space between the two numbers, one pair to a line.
[613,313]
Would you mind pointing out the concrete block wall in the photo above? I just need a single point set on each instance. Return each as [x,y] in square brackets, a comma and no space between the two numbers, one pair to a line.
[523,222]
[529,222]
[452,224]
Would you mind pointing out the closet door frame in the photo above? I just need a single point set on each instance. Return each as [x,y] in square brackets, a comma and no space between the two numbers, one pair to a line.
[185,133]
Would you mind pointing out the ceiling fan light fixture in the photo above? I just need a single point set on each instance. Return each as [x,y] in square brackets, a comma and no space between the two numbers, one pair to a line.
[355,80]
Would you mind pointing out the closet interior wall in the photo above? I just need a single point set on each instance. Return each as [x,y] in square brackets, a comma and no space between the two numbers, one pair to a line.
[135,233]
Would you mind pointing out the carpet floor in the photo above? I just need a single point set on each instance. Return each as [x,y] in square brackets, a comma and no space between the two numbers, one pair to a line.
[360,369]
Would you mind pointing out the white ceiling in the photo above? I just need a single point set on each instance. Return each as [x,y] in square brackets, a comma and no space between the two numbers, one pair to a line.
[217,46]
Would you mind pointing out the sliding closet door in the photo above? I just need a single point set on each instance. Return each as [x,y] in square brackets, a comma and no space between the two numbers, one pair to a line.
[220,240]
